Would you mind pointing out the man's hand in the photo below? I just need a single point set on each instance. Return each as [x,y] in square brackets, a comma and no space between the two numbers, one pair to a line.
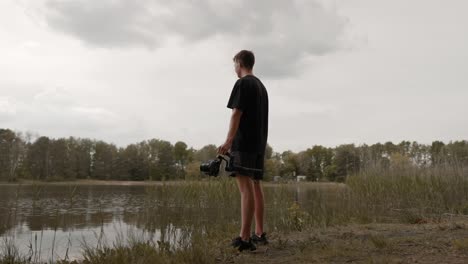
[224,148]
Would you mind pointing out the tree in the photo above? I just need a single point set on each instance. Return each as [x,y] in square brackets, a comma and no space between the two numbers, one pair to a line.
[12,152]
[271,168]
[290,164]
[458,152]
[180,152]
[60,160]
[134,165]
[314,162]
[390,148]
[268,152]
[161,160]
[346,161]
[437,152]
[206,153]
[81,151]
[420,154]
[181,155]
[38,159]
[103,166]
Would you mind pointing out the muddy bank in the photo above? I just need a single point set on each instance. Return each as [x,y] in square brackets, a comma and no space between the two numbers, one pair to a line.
[444,241]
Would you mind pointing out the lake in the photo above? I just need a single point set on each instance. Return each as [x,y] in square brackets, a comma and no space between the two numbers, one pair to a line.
[58,220]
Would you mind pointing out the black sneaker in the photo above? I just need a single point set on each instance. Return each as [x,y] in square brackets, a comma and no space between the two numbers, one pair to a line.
[243,245]
[260,240]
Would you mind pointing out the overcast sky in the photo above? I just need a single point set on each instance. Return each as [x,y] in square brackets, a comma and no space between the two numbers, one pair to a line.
[344,71]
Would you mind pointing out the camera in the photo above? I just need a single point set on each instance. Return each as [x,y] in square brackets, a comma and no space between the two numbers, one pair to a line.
[211,167]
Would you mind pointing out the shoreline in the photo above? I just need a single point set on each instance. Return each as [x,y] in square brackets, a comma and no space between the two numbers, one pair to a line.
[156,183]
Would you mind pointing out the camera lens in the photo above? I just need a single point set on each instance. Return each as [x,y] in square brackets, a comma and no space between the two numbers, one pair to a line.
[205,167]
[211,167]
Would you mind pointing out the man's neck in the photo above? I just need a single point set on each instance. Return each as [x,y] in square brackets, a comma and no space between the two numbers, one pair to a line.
[243,74]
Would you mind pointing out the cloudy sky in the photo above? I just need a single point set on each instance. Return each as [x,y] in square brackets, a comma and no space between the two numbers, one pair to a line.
[343,71]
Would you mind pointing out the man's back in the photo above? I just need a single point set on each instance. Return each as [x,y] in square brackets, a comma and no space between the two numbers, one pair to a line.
[250,95]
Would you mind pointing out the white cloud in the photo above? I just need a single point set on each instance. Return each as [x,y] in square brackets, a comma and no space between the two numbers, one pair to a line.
[284,33]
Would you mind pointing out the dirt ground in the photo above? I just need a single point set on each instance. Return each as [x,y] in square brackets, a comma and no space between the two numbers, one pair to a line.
[444,241]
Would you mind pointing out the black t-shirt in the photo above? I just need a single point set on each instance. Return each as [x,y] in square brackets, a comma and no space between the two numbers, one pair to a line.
[251,97]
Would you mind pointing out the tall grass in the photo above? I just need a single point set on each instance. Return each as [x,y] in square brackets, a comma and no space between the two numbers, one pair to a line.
[413,193]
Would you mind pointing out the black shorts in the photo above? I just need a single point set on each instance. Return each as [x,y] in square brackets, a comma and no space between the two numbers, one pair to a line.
[243,163]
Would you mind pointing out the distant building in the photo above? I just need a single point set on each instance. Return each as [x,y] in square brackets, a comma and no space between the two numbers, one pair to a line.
[301,178]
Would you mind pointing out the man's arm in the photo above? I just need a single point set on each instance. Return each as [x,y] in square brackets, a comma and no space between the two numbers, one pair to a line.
[233,126]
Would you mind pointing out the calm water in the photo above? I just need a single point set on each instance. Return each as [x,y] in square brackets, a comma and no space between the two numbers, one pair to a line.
[60,220]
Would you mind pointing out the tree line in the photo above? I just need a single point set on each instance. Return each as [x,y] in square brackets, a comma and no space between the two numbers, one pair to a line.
[48,159]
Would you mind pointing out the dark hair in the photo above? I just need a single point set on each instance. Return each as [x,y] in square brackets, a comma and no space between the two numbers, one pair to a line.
[245,58]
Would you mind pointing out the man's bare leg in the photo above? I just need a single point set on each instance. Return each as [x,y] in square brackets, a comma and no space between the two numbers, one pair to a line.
[259,207]
[247,205]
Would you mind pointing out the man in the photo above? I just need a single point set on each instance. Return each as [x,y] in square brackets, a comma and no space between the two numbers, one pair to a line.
[246,142]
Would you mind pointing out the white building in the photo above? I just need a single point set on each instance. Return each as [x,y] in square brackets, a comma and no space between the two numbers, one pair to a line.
[301,178]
